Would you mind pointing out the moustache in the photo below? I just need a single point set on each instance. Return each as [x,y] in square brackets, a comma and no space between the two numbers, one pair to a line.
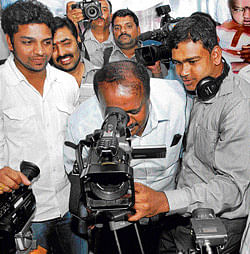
[124,34]
[61,57]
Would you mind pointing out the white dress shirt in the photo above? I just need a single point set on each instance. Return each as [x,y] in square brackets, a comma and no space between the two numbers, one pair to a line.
[32,128]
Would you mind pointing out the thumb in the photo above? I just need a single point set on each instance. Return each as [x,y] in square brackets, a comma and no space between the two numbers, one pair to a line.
[24,179]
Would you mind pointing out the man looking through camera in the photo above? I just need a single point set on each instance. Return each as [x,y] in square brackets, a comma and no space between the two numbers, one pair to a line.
[35,102]
[215,171]
[157,117]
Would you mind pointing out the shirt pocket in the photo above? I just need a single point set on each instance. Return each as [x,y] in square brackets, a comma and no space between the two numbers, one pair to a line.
[20,121]
[204,144]
[63,111]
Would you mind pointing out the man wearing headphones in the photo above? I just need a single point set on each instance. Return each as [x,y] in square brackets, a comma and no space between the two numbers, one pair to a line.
[216,168]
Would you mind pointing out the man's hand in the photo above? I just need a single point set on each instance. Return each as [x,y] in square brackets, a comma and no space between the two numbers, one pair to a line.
[156,69]
[148,202]
[245,53]
[75,15]
[11,179]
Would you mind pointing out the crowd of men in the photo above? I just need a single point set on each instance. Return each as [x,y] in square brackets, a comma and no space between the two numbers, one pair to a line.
[64,72]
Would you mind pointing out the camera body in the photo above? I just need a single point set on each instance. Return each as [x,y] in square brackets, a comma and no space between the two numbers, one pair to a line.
[91,9]
[17,209]
[208,230]
[103,182]
[105,174]
[148,55]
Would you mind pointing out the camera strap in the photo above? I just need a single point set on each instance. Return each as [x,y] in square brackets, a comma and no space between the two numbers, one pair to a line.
[106,54]
[75,192]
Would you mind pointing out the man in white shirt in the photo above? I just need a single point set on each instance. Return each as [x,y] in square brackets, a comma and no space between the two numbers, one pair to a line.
[157,110]
[36,100]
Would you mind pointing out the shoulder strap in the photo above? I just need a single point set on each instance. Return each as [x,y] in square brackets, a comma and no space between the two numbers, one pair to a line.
[106,55]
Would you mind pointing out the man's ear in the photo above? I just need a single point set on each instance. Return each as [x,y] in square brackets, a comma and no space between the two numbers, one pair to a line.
[216,55]
[139,30]
[9,43]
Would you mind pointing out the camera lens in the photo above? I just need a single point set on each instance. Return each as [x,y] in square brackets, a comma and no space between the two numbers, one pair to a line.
[92,12]
[110,186]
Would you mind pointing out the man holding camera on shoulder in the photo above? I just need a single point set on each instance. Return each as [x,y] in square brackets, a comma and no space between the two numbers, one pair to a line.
[126,29]
[215,169]
[35,102]
[158,115]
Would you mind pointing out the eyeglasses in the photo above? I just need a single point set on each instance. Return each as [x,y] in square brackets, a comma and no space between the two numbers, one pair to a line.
[240,9]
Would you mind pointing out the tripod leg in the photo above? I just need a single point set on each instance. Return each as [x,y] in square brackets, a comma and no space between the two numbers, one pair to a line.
[138,237]
[117,242]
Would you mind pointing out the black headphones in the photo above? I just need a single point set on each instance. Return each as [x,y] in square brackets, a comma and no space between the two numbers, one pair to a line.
[208,87]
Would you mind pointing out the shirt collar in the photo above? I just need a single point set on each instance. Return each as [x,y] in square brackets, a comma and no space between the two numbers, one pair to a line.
[19,77]
[117,50]
[155,117]
[90,36]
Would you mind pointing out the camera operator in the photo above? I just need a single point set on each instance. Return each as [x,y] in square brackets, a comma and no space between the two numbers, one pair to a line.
[98,36]
[36,100]
[157,111]
[215,171]
[126,29]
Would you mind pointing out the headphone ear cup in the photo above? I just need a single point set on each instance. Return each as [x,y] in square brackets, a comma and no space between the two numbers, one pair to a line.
[207,88]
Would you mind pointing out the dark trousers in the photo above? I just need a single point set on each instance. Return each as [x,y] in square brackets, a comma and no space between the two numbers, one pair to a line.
[176,235]
[57,236]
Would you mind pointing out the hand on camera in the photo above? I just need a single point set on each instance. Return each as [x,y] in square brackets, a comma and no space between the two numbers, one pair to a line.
[11,179]
[148,202]
[75,15]
[245,53]
[156,69]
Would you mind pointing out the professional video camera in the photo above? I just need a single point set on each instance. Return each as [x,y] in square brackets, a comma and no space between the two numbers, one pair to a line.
[103,181]
[209,232]
[91,9]
[16,212]
[148,55]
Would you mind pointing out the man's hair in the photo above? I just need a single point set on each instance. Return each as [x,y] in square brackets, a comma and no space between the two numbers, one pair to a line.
[197,27]
[116,71]
[65,22]
[231,3]
[25,12]
[124,13]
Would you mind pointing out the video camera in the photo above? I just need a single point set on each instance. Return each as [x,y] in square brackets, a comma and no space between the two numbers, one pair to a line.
[148,55]
[103,181]
[91,9]
[209,232]
[16,212]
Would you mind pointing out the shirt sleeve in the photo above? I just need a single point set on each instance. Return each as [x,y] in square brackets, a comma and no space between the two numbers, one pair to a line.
[73,135]
[2,136]
[225,192]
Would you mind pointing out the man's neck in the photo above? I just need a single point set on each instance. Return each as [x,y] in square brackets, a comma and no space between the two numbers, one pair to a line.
[129,52]
[101,34]
[78,72]
[36,79]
